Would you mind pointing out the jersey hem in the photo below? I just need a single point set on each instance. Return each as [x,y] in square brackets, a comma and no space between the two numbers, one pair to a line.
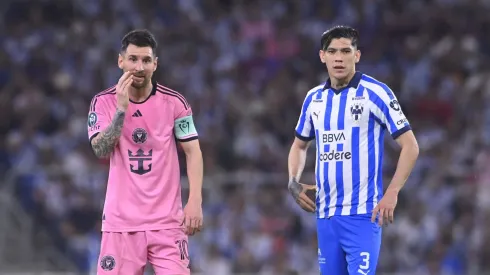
[400,132]
[328,217]
[138,229]
[302,137]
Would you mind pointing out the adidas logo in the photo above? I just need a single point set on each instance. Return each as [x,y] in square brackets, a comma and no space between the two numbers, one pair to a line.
[137,114]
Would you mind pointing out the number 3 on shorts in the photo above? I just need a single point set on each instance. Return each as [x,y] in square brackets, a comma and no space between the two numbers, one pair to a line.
[364,268]
[184,248]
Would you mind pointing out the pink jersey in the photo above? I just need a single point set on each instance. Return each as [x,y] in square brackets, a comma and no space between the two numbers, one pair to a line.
[143,190]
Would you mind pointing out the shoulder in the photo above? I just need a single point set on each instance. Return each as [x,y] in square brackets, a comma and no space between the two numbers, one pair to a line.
[109,91]
[102,96]
[171,95]
[317,90]
[376,86]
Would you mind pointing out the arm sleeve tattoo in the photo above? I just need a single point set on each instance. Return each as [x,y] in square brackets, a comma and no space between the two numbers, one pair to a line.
[104,144]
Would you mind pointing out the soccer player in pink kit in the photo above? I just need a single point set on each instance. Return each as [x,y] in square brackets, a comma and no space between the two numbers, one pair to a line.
[137,124]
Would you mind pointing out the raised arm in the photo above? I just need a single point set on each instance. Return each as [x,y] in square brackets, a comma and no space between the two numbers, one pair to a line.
[104,133]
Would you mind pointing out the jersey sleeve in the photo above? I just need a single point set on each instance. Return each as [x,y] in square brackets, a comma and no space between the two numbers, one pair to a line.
[304,128]
[98,118]
[388,112]
[184,128]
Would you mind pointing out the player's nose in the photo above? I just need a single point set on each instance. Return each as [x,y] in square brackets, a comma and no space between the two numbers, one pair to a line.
[139,66]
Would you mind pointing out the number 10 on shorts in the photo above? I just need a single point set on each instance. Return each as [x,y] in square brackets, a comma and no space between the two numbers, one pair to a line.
[184,248]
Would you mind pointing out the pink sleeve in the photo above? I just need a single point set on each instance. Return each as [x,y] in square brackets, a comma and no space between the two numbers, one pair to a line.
[182,107]
[98,117]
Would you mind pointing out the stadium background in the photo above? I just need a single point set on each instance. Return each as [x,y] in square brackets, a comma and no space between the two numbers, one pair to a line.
[245,67]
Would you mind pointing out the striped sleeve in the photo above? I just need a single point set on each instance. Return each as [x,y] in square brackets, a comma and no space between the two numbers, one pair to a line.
[386,108]
[304,128]
[184,127]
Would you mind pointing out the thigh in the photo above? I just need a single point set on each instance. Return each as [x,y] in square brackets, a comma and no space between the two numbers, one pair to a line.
[168,251]
[122,253]
[331,258]
[361,240]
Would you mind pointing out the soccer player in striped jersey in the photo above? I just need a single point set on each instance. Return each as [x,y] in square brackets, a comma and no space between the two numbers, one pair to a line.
[137,124]
[347,118]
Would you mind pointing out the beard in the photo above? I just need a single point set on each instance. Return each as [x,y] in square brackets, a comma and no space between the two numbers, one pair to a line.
[142,84]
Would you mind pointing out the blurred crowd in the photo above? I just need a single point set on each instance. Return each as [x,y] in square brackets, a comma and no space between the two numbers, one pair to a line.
[245,67]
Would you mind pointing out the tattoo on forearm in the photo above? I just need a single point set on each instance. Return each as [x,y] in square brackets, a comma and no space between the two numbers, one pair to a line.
[295,188]
[104,144]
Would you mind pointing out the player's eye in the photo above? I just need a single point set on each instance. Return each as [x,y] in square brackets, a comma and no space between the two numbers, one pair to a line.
[331,51]
[346,51]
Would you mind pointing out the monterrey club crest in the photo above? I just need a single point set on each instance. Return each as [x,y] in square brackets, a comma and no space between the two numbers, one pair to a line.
[395,105]
[356,110]
[107,263]
[140,135]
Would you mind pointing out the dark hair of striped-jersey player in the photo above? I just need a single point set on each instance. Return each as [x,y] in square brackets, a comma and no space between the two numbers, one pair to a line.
[339,52]
[138,55]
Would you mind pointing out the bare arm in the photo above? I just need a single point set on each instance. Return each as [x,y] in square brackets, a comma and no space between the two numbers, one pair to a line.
[194,161]
[193,219]
[103,144]
[408,155]
[296,164]
[297,158]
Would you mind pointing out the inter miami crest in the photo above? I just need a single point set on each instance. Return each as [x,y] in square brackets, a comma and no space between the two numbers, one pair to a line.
[107,263]
[140,135]
[356,110]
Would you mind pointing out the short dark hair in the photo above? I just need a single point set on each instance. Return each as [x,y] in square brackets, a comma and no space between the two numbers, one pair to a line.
[339,32]
[139,38]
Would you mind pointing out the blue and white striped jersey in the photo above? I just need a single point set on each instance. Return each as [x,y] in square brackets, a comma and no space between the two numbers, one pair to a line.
[349,126]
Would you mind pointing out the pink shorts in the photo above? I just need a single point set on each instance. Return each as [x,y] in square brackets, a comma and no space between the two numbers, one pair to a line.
[128,252]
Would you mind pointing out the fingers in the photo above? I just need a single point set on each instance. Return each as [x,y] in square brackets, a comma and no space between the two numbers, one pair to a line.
[391,215]
[195,225]
[192,225]
[199,225]
[123,78]
[375,213]
[381,217]
[188,226]
[310,187]
[386,215]
[125,85]
[306,203]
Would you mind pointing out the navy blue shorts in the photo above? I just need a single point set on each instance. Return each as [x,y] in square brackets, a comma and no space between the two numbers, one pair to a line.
[348,245]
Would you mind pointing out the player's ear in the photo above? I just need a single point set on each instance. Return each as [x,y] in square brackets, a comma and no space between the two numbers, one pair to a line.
[322,56]
[155,63]
[120,60]
[358,55]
